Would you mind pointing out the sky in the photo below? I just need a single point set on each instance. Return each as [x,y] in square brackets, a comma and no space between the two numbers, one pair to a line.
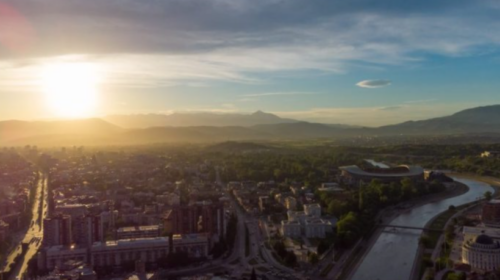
[352,62]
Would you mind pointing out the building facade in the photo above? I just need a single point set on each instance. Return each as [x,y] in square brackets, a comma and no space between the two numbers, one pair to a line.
[138,232]
[195,245]
[491,213]
[88,229]
[57,231]
[197,218]
[118,252]
[481,253]
[313,210]
[291,229]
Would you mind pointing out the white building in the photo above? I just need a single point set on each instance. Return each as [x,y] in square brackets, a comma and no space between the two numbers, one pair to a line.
[313,210]
[316,228]
[481,253]
[291,229]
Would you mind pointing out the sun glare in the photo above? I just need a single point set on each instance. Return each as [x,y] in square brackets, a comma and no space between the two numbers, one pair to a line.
[71,89]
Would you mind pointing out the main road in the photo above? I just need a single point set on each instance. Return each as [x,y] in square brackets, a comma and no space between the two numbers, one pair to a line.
[34,235]
[393,254]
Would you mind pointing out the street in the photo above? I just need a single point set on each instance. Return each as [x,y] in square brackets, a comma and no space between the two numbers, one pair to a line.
[34,233]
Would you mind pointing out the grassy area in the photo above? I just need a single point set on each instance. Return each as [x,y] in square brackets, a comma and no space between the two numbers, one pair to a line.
[425,262]
[432,238]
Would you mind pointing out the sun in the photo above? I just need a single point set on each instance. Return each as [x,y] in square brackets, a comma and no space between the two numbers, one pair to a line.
[71,89]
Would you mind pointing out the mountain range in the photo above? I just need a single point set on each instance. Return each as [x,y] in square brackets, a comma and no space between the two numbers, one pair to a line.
[195,119]
[207,127]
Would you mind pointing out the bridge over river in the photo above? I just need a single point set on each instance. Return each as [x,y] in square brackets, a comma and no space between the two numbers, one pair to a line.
[392,255]
[389,226]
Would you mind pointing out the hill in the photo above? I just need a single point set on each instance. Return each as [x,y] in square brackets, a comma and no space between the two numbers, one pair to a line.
[195,119]
[476,120]
[481,121]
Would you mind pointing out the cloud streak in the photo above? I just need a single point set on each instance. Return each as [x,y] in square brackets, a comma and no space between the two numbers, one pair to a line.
[278,94]
[373,83]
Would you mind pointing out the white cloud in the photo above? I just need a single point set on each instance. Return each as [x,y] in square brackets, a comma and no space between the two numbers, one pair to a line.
[279,93]
[373,83]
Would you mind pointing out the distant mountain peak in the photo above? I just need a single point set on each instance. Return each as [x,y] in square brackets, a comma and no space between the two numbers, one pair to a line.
[259,112]
[197,119]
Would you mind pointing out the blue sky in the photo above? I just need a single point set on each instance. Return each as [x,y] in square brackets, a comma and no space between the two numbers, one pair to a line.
[310,60]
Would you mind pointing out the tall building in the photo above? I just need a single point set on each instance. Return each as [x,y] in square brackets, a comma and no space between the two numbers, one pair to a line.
[57,230]
[491,213]
[197,218]
[88,229]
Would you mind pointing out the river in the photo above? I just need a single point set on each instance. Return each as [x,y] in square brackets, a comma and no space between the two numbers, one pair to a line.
[393,254]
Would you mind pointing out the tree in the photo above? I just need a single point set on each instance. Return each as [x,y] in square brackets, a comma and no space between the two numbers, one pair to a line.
[407,188]
[348,229]
[488,195]
[336,208]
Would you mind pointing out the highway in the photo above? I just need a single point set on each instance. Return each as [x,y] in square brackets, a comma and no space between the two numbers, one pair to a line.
[34,233]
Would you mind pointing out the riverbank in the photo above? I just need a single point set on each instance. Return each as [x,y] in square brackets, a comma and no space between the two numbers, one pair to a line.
[445,217]
[387,215]
[492,181]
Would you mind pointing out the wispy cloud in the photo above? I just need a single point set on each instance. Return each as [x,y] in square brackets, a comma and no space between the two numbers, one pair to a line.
[373,83]
[164,43]
[420,101]
[391,108]
[278,94]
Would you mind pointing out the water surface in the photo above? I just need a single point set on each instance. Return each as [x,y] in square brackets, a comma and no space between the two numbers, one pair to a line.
[393,254]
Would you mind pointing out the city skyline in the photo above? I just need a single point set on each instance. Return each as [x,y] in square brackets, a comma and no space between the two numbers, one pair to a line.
[361,63]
